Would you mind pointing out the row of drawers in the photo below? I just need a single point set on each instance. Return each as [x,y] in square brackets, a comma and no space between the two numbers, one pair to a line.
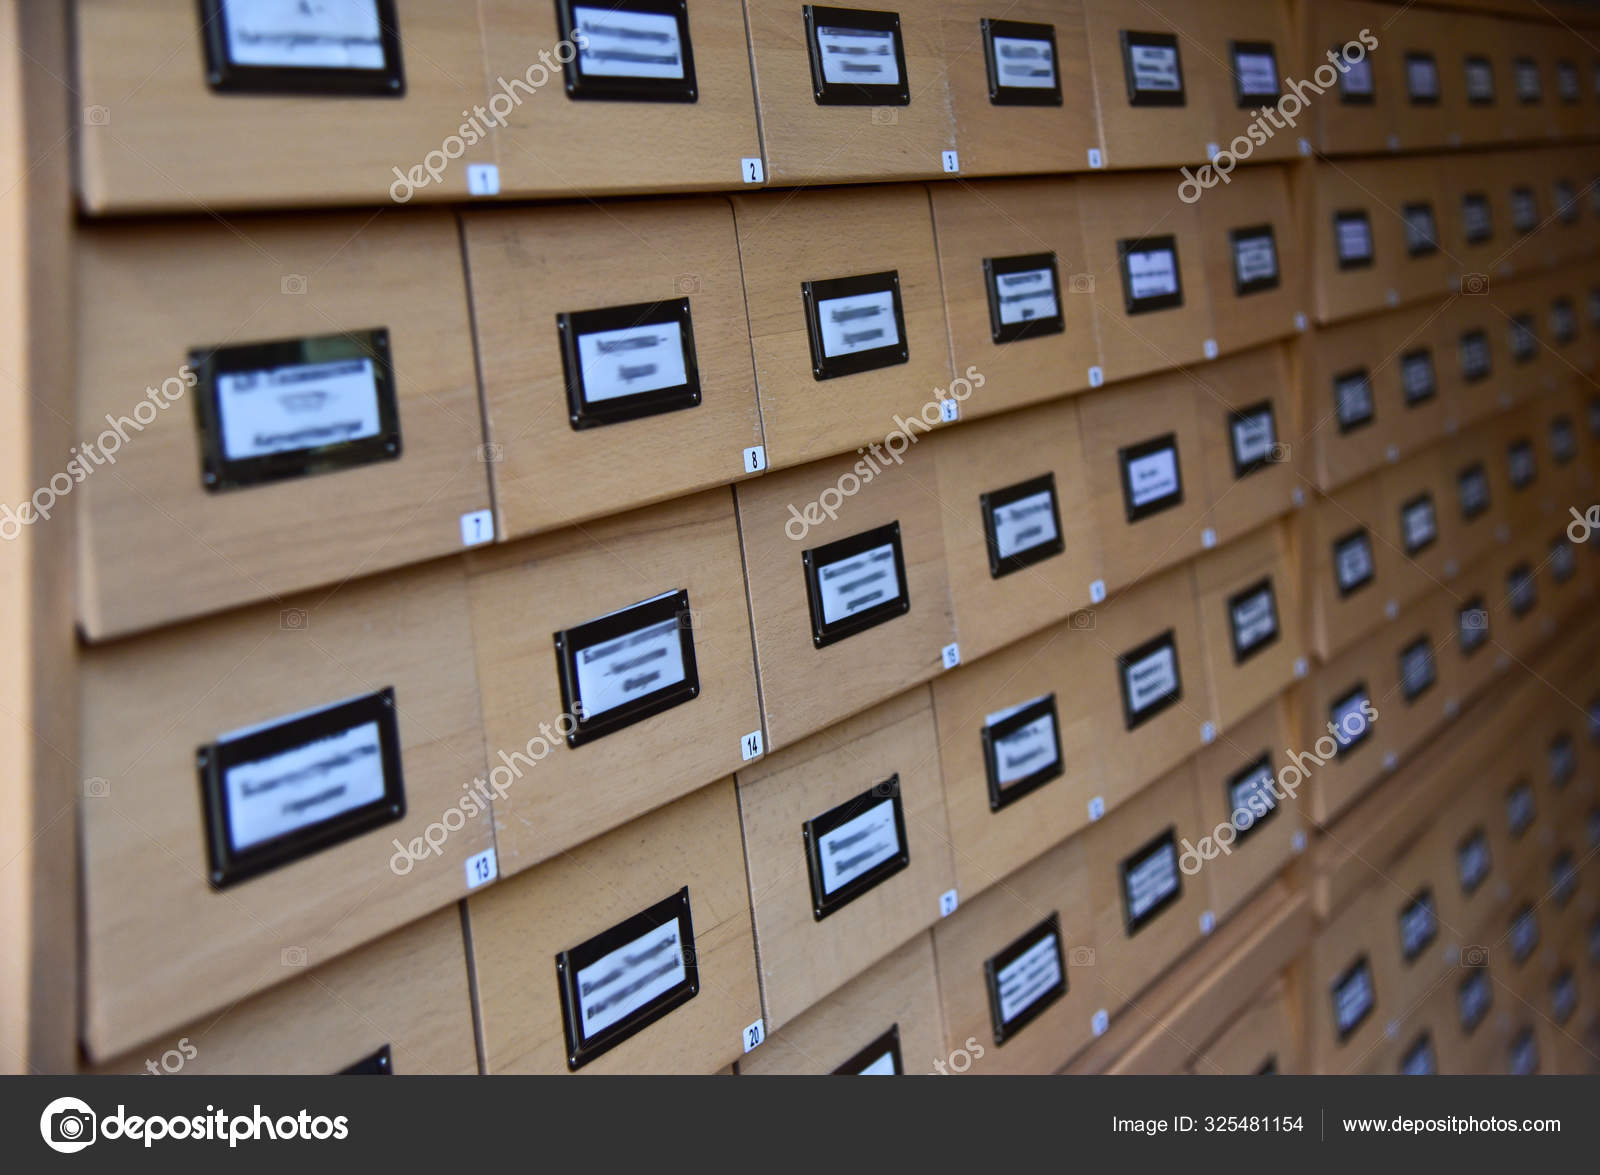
[1494,897]
[1390,231]
[628,353]
[823,980]
[1451,79]
[1511,481]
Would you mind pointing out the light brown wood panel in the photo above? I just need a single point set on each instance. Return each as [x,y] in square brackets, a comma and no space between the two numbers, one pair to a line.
[1342,127]
[1252,197]
[1119,418]
[1334,621]
[1353,186]
[406,992]
[807,143]
[1126,963]
[161,945]
[1222,390]
[40,781]
[984,458]
[1360,931]
[1404,881]
[519,927]
[1461,176]
[1402,336]
[1425,570]
[1340,455]
[1478,536]
[527,267]
[1266,846]
[901,991]
[1263,1034]
[1240,687]
[553,145]
[524,593]
[1015,140]
[975,222]
[1148,136]
[989,843]
[1421,126]
[156,545]
[1432,619]
[805,689]
[1401,183]
[161,140]
[1209,31]
[1112,209]
[1336,776]
[1055,883]
[802,957]
[790,238]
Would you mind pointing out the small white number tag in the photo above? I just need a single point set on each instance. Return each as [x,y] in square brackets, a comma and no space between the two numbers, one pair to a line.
[951,655]
[1208,922]
[1209,348]
[483,179]
[481,869]
[1099,1022]
[1097,808]
[755,459]
[952,161]
[751,171]
[1096,161]
[754,1035]
[477,528]
[949,411]
[1208,538]
[750,745]
[1096,376]
[1097,592]
[1208,733]
[948,903]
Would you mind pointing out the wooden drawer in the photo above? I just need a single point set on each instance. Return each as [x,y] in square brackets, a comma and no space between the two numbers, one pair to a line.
[1249,602]
[1421,523]
[1264,1038]
[586,589]
[162,137]
[792,242]
[1350,987]
[1473,219]
[1479,69]
[399,1005]
[1354,400]
[998,481]
[285,301]
[586,142]
[1147,257]
[1479,497]
[1414,351]
[1427,680]
[1255,272]
[816,669]
[1409,193]
[1349,568]
[1423,949]
[1229,776]
[822,919]
[179,920]
[1341,763]
[1041,915]
[1254,34]
[1166,120]
[1249,427]
[896,127]
[1431,99]
[678,867]
[1357,247]
[1020,235]
[1353,119]
[1010,119]
[1147,906]
[1147,475]
[545,280]
[885,1021]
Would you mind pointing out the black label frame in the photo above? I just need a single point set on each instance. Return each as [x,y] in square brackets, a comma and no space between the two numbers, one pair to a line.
[824,904]
[570,642]
[571,327]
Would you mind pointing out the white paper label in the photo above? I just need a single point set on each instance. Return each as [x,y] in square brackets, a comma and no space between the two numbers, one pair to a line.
[1026,750]
[1255,619]
[303,786]
[1567,81]
[1529,88]
[1419,1062]
[1155,67]
[1475,218]
[1257,73]
[1254,435]
[861,57]
[481,869]
[1252,796]
[1025,295]
[1354,561]
[1027,978]
[630,667]
[1357,79]
[1354,238]
[1152,477]
[1350,708]
[1519,462]
[1353,999]
[1422,235]
[857,322]
[1416,668]
[1524,935]
[330,34]
[1422,77]
[1025,63]
[1416,376]
[1420,524]
[301,406]
[1519,808]
[858,583]
[631,360]
[1524,210]
[1254,258]
[620,983]
[1025,523]
[1152,273]
[858,846]
[1480,80]
[1472,862]
[879,1067]
[627,44]
[1151,678]
[1151,879]
[1354,394]
[1473,999]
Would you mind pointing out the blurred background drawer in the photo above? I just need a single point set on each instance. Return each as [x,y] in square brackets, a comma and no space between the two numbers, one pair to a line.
[1248,415]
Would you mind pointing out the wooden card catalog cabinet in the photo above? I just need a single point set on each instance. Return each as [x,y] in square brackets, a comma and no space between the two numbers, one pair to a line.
[1247,416]
[1249,599]
[615,372]
[251,103]
[1152,112]
[1255,272]
[630,954]
[249,774]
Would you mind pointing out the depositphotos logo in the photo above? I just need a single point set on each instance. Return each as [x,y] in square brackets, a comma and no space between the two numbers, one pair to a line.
[68,1125]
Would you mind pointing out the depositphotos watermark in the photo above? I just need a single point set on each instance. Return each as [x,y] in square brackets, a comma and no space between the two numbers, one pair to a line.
[873,461]
[1255,807]
[481,119]
[1270,120]
[480,794]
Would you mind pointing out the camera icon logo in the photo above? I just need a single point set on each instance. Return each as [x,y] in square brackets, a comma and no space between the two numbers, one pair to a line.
[1084,619]
[885,116]
[96,115]
[1474,283]
[1080,957]
[1080,283]
[1280,452]
[292,619]
[1475,618]
[67,1125]
[1474,956]
[96,788]
[294,956]
[293,283]
[493,451]
[687,283]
